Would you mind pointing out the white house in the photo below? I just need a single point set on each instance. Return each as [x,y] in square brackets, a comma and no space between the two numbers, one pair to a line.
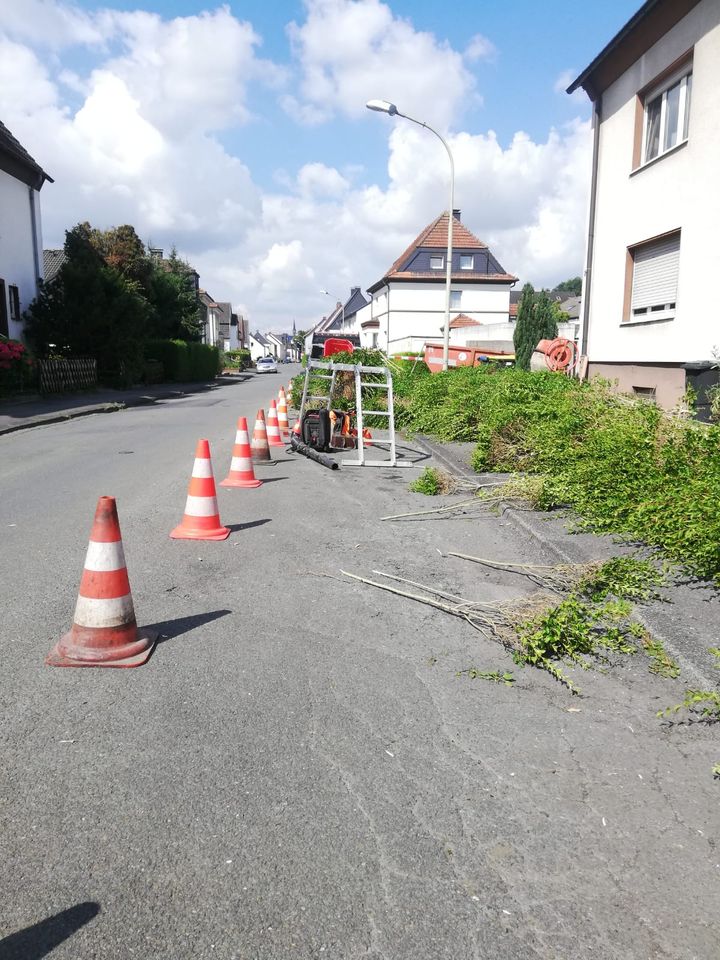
[259,346]
[408,302]
[652,246]
[21,251]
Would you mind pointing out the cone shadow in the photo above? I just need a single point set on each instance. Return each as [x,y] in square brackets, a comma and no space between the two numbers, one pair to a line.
[171,629]
[41,938]
[234,527]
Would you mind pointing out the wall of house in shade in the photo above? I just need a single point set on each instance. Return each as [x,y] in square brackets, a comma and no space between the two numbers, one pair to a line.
[412,313]
[20,250]
[637,202]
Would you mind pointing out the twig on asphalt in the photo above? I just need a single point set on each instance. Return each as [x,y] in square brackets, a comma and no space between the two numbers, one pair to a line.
[559,577]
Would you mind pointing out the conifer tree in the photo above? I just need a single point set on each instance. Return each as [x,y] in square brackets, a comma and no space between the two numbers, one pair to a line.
[523,333]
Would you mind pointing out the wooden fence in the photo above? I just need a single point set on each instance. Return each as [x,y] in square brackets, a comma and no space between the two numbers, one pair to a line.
[65,376]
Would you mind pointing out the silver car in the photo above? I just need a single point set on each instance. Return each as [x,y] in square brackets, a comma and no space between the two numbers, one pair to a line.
[266,365]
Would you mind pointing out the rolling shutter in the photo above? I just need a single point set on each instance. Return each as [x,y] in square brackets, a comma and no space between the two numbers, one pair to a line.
[655,273]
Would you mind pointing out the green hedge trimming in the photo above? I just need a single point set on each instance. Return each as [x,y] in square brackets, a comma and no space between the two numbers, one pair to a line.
[624,465]
[183,361]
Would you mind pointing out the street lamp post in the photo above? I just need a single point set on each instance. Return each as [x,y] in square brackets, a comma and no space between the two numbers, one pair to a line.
[327,293]
[383,106]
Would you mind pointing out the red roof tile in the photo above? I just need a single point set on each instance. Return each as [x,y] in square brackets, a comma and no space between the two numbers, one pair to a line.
[462,320]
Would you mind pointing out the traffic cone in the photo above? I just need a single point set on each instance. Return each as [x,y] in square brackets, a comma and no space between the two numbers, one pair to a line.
[259,446]
[104,632]
[201,520]
[283,422]
[288,395]
[273,428]
[241,472]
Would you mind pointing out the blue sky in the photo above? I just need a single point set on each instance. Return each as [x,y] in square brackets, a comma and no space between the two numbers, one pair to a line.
[244,140]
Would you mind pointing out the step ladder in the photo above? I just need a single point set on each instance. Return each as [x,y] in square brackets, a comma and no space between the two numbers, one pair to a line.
[318,370]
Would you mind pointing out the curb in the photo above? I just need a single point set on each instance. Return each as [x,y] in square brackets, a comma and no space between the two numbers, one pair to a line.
[691,670]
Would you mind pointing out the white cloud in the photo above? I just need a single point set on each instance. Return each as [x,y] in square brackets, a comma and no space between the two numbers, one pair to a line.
[480,48]
[350,51]
[50,23]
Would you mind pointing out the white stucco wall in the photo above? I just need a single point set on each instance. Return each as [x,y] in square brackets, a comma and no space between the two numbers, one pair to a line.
[18,264]
[679,190]
[412,313]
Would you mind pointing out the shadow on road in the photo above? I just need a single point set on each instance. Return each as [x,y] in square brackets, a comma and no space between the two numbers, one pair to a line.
[273,479]
[234,527]
[41,938]
[171,629]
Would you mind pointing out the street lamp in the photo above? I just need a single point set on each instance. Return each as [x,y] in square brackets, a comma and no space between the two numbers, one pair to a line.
[384,106]
[328,294]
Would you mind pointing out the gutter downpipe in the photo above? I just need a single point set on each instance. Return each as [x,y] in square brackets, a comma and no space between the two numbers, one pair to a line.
[33,227]
[597,108]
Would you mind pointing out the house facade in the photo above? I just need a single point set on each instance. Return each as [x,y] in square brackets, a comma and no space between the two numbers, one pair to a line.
[21,250]
[342,321]
[408,302]
[259,346]
[654,206]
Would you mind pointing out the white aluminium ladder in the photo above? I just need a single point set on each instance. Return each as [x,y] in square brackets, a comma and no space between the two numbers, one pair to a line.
[315,370]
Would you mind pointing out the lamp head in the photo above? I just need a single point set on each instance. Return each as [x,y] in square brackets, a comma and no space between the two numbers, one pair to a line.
[382,106]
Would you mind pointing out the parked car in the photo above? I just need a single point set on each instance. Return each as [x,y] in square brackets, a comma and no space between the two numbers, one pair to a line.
[266,365]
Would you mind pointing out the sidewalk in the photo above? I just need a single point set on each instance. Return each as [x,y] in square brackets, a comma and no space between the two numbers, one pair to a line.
[687,624]
[37,411]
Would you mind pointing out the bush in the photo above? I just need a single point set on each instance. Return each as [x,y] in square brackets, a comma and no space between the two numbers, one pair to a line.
[17,368]
[183,361]
[237,359]
[624,465]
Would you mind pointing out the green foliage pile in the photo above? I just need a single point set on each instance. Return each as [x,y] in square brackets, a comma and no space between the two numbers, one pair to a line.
[427,483]
[621,463]
[184,362]
[107,299]
[593,620]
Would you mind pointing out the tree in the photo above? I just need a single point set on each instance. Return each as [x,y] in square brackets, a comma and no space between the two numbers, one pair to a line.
[536,321]
[572,286]
[90,310]
[174,306]
[523,334]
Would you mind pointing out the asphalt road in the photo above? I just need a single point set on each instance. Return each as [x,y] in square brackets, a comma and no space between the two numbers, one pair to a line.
[299,771]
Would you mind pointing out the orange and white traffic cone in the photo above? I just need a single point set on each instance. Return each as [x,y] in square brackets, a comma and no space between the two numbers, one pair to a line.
[201,520]
[283,422]
[104,632]
[241,472]
[259,447]
[273,428]
[288,395]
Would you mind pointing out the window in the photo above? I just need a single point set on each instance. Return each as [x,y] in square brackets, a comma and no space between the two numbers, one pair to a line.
[437,263]
[455,298]
[14,295]
[466,262]
[654,271]
[374,340]
[667,112]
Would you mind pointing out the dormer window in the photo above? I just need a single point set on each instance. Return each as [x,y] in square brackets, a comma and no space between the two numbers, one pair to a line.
[437,263]
[466,262]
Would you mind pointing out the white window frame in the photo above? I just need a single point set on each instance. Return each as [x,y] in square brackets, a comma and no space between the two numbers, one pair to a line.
[657,311]
[434,265]
[465,257]
[455,299]
[681,76]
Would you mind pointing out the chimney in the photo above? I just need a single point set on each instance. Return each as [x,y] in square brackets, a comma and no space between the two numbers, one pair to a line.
[456,214]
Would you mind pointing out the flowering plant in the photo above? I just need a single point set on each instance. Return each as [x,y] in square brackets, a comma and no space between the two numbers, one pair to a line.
[16,366]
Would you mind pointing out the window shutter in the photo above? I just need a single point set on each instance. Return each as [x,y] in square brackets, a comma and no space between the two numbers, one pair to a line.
[655,273]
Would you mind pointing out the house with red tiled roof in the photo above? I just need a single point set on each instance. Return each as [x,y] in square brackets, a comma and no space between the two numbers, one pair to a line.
[21,250]
[408,302]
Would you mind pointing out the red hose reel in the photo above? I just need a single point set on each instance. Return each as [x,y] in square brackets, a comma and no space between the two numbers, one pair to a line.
[560,354]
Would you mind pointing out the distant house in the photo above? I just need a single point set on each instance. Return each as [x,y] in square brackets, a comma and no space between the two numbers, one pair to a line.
[218,329]
[259,346]
[342,321]
[408,302]
[52,261]
[21,251]
[654,204]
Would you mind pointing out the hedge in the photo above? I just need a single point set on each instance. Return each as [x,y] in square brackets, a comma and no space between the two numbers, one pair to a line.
[183,361]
